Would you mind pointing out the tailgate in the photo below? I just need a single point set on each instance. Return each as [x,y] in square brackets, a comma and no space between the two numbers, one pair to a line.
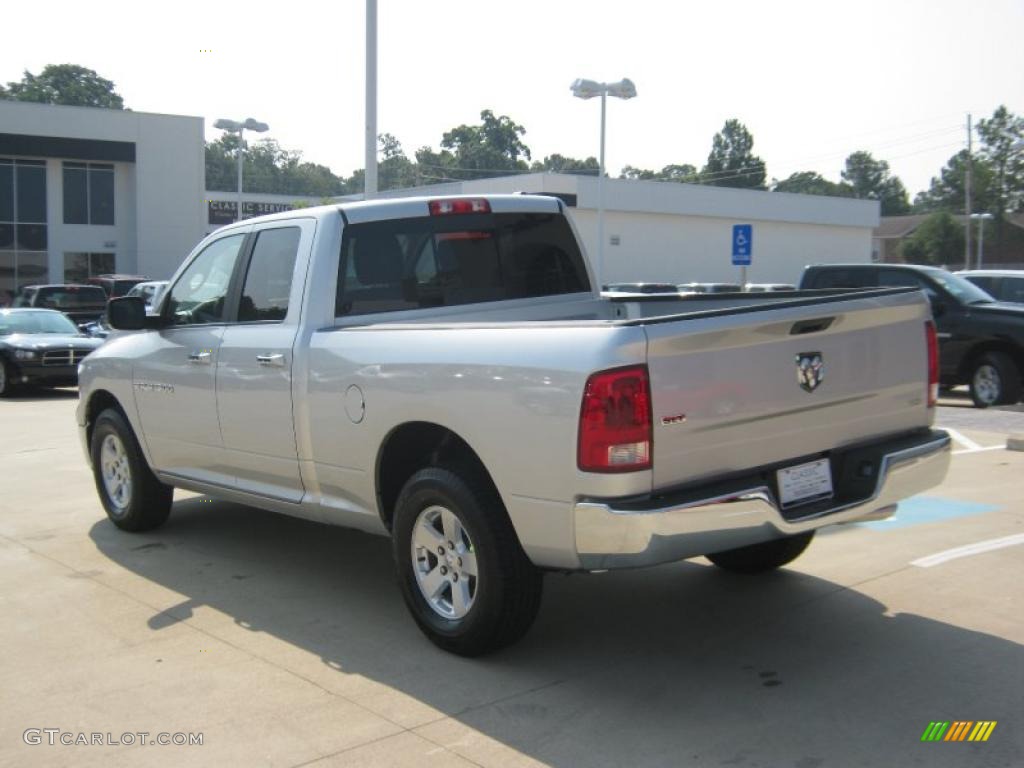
[735,390]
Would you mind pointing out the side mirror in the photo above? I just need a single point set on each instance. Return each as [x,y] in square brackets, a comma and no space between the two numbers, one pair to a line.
[127,313]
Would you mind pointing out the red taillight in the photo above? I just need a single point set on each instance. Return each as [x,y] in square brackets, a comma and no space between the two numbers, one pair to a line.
[615,421]
[468,205]
[933,363]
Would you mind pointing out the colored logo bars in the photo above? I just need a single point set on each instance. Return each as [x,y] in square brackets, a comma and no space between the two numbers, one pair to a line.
[958,730]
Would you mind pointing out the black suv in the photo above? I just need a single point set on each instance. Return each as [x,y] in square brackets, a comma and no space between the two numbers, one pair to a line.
[82,303]
[981,339]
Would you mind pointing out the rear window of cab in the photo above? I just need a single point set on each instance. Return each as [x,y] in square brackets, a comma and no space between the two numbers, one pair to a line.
[448,260]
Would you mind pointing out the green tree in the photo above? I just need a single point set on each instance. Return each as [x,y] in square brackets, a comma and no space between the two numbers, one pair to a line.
[946,191]
[267,168]
[732,162]
[811,183]
[681,174]
[395,170]
[939,240]
[999,135]
[561,164]
[870,179]
[492,148]
[67,84]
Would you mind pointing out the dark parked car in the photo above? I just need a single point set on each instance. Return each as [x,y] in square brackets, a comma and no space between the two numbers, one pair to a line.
[981,340]
[40,346]
[116,285]
[1000,284]
[82,303]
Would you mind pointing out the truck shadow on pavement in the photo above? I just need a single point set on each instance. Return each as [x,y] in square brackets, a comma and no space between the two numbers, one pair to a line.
[679,665]
[43,394]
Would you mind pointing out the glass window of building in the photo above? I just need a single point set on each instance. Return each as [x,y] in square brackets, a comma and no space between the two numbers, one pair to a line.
[23,232]
[78,267]
[88,193]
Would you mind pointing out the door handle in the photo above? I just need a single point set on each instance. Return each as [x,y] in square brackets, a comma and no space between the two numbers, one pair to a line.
[272,361]
[200,357]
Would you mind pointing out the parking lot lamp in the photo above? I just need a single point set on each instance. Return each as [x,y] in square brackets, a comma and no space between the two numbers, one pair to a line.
[588,89]
[234,126]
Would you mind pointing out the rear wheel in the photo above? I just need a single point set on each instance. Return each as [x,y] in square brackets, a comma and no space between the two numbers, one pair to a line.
[995,380]
[464,576]
[132,496]
[767,556]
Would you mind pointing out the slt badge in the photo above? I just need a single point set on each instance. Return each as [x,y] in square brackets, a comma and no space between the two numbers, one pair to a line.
[810,370]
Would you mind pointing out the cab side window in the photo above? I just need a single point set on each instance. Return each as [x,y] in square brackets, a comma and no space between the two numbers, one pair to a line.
[201,291]
[268,281]
[843,278]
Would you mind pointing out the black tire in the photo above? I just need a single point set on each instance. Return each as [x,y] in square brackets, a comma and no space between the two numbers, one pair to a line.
[507,586]
[995,380]
[758,558]
[148,502]
[6,378]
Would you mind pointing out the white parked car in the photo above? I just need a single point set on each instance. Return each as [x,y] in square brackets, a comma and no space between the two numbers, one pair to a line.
[150,292]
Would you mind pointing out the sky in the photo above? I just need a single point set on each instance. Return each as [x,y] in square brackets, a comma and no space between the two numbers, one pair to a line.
[812,81]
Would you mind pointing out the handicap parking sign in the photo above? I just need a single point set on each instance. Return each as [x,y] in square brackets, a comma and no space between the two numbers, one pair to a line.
[742,244]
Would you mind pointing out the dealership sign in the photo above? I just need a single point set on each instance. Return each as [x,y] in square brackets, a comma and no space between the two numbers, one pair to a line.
[224,211]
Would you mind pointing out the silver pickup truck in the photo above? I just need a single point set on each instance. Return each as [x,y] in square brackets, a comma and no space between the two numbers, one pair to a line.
[442,371]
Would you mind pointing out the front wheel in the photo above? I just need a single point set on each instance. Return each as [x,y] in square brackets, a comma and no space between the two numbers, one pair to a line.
[6,378]
[767,556]
[463,575]
[132,496]
[995,380]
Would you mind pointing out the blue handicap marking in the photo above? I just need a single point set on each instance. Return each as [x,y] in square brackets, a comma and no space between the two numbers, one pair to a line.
[918,510]
[742,244]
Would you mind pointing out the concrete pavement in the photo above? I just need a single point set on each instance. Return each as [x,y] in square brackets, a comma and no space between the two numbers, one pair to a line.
[286,643]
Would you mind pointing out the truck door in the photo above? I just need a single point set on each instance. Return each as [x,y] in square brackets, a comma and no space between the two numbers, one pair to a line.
[254,368]
[174,379]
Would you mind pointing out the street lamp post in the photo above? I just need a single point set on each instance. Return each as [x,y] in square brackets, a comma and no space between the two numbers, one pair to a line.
[588,89]
[234,126]
[981,218]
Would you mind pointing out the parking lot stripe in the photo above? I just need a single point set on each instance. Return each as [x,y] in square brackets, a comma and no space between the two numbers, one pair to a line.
[970,549]
[966,442]
[979,450]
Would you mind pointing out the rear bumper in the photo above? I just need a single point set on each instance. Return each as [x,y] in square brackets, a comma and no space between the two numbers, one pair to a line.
[721,516]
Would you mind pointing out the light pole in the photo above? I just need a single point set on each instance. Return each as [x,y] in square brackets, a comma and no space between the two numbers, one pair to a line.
[233,126]
[981,218]
[588,89]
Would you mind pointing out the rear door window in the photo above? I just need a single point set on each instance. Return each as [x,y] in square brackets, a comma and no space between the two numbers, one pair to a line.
[901,278]
[843,278]
[268,281]
[451,260]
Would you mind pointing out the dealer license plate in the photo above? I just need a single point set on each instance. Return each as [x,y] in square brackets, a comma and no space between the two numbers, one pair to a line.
[804,483]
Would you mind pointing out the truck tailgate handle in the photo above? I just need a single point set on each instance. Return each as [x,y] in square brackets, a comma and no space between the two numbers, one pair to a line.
[811,326]
[273,361]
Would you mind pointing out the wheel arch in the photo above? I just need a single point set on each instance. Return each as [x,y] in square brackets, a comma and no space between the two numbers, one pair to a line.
[99,401]
[412,446]
[970,360]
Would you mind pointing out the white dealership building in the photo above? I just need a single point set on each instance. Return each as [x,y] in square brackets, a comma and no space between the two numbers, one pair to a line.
[85,191]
